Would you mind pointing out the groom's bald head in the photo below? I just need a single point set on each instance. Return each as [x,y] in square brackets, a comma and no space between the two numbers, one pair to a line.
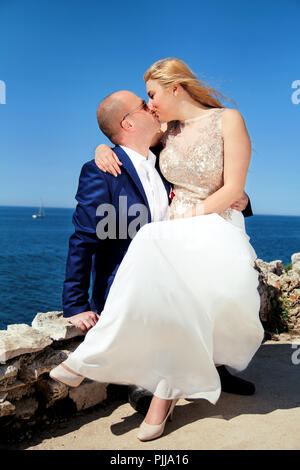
[110,113]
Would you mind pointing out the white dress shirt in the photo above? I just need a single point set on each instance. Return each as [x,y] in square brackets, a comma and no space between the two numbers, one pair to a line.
[152,183]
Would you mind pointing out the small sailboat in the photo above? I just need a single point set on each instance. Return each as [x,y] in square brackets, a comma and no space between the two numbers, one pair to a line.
[41,213]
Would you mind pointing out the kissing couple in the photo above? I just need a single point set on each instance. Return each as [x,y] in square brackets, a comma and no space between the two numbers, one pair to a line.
[174,300]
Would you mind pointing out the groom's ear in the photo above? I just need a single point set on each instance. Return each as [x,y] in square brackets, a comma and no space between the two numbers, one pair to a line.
[127,125]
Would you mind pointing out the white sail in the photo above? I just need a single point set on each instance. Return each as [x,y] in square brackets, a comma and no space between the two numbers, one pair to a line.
[41,213]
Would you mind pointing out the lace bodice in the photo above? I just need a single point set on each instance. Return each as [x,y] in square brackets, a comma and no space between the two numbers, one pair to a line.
[192,160]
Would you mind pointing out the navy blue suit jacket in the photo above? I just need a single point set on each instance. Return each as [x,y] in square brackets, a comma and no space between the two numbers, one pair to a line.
[87,253]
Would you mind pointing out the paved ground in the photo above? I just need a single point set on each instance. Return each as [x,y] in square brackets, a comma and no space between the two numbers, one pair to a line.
[270,419]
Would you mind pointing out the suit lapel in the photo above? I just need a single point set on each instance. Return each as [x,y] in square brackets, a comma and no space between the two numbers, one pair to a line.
[156,150]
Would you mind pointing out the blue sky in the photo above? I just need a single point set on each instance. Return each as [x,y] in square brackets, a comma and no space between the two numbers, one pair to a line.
[59,58]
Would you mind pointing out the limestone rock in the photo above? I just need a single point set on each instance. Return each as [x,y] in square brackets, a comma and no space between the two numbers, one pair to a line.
[7,408]
[296,261]
[9,371]
[14,385]
[21,339]
[19,392]
[273,280]
[266,291]
[275,267]
[88,394]
[52,391]
[34,366]
[3,397]
[55,325]
[290,281]
[294,297]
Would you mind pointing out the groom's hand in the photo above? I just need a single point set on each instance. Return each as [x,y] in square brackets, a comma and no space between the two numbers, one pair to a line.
[241,203]
[85,320]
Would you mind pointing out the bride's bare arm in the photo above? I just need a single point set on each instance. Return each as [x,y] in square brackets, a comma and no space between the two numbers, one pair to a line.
[237,154]
[107,160]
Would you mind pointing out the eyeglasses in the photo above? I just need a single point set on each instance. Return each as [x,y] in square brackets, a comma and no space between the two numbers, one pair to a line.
[143,106]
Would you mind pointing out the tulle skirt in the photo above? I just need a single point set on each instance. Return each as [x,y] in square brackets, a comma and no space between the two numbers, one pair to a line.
[184,300]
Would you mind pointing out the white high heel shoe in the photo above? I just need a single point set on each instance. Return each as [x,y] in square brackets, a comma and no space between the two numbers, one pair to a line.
[147,432]
[60,374]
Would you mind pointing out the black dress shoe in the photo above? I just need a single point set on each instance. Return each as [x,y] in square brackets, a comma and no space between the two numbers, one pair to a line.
[139,398]
[232,384]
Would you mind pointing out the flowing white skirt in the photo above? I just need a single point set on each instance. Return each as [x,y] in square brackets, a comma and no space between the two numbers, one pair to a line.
[184,300]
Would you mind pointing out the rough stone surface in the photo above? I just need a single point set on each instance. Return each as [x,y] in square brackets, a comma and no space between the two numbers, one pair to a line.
[33,367]
[52,391]
[19,392]
[55,325]
[3,397]
[296,261]
[267,291]
[280,292]
[21,339]
[26,408]
[7,408]
[88,394]
[9,371]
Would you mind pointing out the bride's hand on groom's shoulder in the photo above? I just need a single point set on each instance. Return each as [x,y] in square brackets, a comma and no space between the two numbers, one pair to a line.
[85,320]
[107,160]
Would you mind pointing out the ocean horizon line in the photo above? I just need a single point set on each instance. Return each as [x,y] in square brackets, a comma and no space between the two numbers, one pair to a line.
[73,207]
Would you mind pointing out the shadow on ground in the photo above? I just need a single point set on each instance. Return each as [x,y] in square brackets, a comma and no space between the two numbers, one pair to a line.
[277,381]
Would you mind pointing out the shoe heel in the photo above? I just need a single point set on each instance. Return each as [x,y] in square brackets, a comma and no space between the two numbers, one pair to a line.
[148,432]
[170,418]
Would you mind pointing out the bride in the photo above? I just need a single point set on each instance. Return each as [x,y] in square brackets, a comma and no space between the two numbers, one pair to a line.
[185,297]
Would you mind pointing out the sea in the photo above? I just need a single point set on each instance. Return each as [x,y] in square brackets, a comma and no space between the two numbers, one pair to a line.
[33,256]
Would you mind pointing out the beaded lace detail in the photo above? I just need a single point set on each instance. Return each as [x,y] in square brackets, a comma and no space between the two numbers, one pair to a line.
[192,160]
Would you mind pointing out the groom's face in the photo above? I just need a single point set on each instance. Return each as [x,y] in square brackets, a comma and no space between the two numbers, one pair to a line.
[139,118]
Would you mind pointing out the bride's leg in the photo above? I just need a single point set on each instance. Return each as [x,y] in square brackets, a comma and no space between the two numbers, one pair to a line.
[157,410]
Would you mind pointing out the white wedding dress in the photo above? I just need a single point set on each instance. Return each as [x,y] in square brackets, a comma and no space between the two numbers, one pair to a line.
[185,296]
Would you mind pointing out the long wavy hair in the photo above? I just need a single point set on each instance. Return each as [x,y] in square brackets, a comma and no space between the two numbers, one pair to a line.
[171,71]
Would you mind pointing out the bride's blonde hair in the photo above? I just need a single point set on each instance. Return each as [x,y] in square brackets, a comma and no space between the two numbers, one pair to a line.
[171,70]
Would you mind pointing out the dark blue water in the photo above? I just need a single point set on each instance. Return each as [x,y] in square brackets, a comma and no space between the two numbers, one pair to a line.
[33,255]
[32,262]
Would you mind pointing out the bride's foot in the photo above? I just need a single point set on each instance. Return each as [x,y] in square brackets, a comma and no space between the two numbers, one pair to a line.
[158,414]
[63,374]
[157,410]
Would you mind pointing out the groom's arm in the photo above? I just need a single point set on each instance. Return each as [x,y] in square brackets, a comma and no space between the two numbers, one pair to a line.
[92,191]
[243,205]
[247,212]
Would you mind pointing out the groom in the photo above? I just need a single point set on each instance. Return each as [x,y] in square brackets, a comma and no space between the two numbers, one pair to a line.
[106,220]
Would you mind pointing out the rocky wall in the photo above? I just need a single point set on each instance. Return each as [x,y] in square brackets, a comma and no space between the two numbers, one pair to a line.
[27,354]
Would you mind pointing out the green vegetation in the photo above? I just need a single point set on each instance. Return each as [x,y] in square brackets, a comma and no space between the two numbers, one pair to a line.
[288,267]
[279,315]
